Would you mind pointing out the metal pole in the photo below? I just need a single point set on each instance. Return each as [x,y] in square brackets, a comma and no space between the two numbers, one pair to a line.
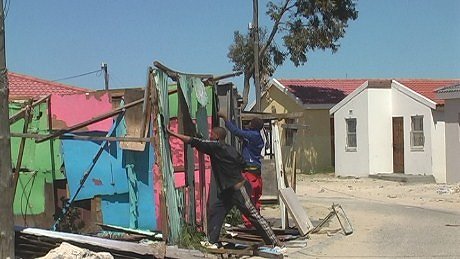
[106,76]
[255,32]
[6,176]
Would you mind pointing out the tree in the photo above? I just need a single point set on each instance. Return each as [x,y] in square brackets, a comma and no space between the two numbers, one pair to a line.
[304,26]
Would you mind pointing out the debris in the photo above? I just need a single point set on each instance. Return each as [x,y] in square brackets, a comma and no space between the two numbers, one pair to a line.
[392,196]
[296,210]
[445,190]
[68,251]
[338,211]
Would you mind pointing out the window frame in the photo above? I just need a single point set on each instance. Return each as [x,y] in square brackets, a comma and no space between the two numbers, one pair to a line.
[415,131]
[289,133]
[348,146]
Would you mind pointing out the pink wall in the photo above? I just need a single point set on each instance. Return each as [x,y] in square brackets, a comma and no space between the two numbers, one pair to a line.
[69,110]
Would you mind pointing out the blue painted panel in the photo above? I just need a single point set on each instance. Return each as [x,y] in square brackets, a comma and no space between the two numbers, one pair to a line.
[108,175]
[116,208]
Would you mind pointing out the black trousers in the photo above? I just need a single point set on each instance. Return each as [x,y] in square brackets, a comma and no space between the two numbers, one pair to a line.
[242,200]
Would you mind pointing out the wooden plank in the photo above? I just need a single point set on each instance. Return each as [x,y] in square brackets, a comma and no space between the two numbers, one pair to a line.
[295,126]
[296,210]
[134,119]
[271,116]
[280,174]
[82,137]
[294,171]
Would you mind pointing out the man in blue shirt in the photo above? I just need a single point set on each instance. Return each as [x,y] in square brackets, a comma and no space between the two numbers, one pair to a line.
[252,145]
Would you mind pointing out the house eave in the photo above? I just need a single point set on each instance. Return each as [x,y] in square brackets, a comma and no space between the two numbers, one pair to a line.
[348,98]
[414,95]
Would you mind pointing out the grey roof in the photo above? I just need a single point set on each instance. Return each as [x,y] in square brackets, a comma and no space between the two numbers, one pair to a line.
[449,89]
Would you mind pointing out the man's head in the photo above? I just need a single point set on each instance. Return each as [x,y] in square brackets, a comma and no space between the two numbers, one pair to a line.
[218,133]
[256,124]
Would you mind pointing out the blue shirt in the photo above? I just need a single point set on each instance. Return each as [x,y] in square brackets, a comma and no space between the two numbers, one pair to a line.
[252,143]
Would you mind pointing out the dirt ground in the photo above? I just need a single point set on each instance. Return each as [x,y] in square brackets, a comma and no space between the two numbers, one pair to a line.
[434,196]
[316,193]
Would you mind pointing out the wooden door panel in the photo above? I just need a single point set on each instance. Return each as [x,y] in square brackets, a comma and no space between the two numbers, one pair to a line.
[398,145]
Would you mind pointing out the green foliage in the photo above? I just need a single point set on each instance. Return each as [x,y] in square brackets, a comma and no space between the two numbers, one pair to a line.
[234,217]
[190,238]
[304,25]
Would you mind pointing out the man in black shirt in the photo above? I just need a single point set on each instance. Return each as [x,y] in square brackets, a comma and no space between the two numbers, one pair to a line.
[232,188]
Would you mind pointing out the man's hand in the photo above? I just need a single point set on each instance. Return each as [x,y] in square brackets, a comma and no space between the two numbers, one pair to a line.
[222,115]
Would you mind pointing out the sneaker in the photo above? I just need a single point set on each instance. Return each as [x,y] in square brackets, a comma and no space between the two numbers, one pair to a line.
[208,245]
[280,249]
[274,250]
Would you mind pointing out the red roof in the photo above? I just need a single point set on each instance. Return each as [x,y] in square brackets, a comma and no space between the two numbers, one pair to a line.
[331,91]
[22,86]
[428,87]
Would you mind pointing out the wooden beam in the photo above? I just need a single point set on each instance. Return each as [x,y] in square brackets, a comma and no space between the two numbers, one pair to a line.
[82,137]
[22,144]
[294,126]
[270,116]
[217,78]
[91,121]
[17,116]
[173,74]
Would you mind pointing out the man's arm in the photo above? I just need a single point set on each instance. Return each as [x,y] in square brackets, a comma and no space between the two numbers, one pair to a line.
[201,145]
[186,139]
[230,125]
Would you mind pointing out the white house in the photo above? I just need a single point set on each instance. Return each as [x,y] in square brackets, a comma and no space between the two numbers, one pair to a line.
[391,126]
[451,95]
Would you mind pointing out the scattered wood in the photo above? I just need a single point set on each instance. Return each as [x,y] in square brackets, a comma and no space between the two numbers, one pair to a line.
[33,242]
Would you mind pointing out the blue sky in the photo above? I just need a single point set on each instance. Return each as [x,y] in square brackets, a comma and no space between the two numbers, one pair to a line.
[53,39]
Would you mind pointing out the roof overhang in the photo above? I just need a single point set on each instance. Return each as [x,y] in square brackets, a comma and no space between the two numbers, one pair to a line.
[414,95]
[349,97]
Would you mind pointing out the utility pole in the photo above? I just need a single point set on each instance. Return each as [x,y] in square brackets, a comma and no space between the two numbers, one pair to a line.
[255,7]
[6,175]
[106,75]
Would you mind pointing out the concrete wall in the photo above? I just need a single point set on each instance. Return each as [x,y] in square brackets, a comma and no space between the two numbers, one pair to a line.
[438,144]
[380,131]
[416,161]
[313,146]
[352,163]
[452,110]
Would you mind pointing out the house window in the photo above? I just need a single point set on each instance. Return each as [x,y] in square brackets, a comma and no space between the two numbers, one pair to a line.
[417,138]
[289,132]
[351,134]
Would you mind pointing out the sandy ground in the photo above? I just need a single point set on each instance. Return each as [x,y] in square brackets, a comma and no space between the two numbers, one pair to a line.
[317,192]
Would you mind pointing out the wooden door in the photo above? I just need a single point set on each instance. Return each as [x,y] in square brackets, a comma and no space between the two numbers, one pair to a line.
[398,145]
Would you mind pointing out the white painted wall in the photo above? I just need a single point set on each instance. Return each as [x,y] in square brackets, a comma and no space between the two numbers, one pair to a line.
[380,130]
[352,163]
[452,110]
[438,144]
[417,162]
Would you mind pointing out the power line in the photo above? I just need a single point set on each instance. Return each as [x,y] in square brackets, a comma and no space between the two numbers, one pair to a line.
[71,77]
